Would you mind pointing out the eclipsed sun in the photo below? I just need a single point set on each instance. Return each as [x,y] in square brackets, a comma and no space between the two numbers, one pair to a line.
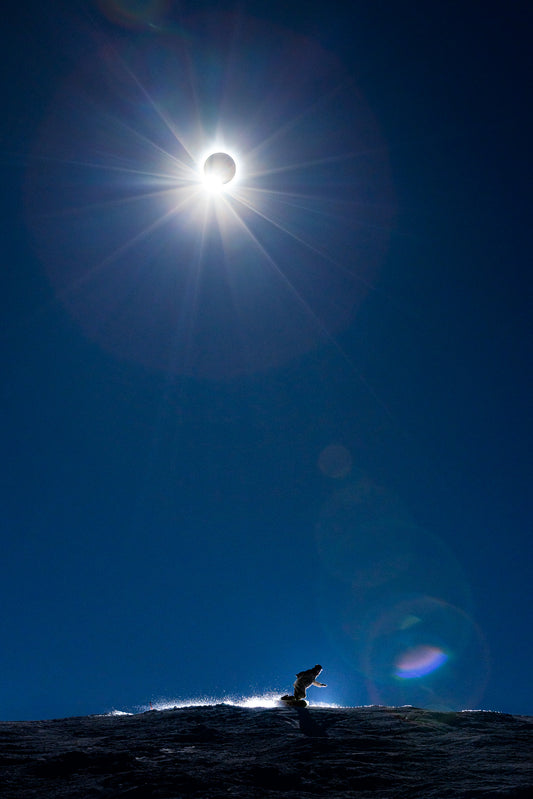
[219,170]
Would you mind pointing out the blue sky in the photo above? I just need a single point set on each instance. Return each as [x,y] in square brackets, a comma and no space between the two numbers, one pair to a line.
[285,425]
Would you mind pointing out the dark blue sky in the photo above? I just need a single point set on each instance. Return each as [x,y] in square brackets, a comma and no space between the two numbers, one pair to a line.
[288,425]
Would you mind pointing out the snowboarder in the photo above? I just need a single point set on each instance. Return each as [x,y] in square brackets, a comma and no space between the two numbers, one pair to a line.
[303,680]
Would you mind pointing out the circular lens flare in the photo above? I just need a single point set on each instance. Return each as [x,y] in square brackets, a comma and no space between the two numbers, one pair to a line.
[186,159]
[419,661]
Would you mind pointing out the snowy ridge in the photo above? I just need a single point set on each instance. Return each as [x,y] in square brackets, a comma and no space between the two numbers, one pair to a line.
[268,700]
[215,751]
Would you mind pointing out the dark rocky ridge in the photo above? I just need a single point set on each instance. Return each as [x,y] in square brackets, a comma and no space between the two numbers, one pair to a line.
[227,751]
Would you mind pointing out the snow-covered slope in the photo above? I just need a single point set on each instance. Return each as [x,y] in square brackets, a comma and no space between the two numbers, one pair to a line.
[230,751]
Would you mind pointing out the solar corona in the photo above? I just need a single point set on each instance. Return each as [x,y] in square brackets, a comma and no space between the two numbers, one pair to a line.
[180,163]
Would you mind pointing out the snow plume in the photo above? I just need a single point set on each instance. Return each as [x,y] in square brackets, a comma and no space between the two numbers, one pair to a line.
[268,700]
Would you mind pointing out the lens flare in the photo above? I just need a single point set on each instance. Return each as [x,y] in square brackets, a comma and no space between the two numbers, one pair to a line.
[155,268]
[419,661]
[395,603]
[367,540]
[135,14]
[335,461]
[440,661]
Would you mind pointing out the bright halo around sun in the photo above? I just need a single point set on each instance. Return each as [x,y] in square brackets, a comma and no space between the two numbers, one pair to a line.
[199,213]
[218,170]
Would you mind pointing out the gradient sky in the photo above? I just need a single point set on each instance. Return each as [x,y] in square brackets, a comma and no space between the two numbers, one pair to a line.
[284,426]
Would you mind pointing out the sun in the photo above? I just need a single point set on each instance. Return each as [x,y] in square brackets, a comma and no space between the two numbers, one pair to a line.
[218,170]
[190,175]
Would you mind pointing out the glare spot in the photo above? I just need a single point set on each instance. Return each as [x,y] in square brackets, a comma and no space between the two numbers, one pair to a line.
[419,661]
[335,461]
[409,621]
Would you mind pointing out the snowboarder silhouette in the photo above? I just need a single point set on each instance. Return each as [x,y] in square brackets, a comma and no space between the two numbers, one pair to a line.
[303,680]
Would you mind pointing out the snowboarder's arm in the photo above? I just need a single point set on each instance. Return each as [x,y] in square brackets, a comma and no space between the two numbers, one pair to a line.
[319,684]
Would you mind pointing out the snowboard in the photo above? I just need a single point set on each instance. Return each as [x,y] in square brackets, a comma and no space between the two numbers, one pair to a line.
[291,701]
